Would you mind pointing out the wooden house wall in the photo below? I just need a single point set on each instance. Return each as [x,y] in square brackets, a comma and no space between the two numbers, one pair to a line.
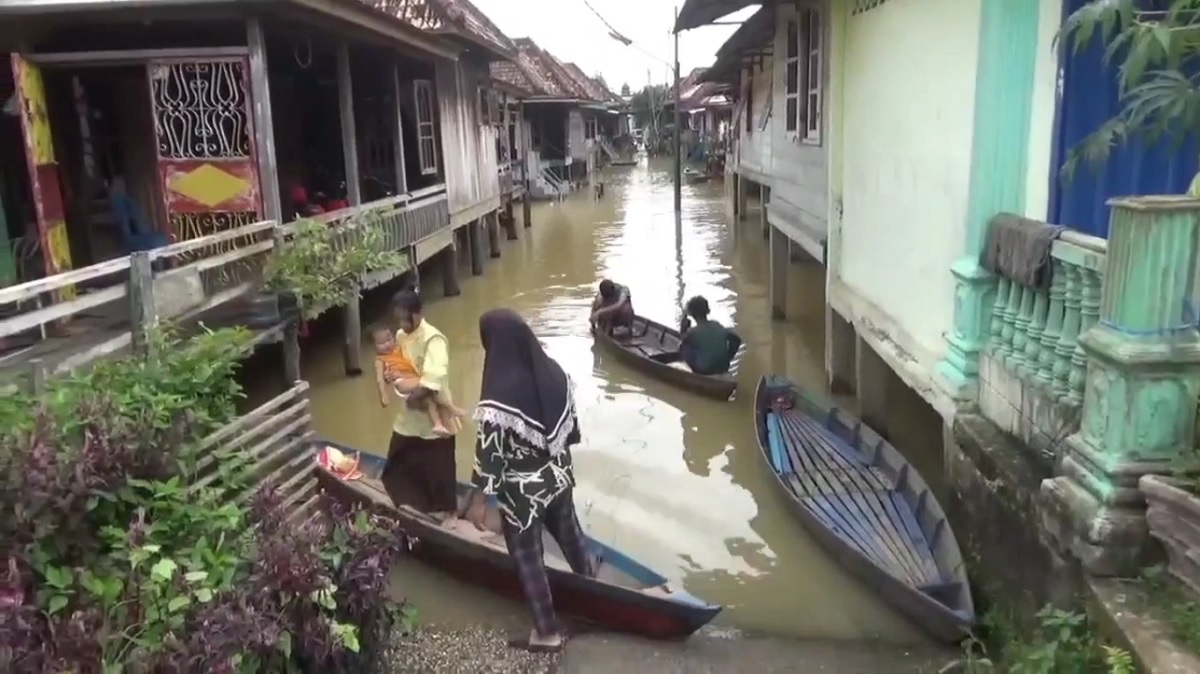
[754,145]
[576,138]
[799,177]
[469,147]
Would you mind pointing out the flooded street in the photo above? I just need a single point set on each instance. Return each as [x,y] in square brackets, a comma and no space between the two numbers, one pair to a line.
[667,476]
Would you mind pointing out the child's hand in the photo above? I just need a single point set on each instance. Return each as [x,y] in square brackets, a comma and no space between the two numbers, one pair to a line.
[383,401]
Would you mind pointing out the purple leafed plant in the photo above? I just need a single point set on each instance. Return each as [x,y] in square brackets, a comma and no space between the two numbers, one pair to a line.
[108,559]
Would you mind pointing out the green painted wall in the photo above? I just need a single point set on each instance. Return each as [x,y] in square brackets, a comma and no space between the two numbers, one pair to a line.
[1008,43]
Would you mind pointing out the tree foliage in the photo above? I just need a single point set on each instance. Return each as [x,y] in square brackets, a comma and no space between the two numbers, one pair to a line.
[647,104]
[1156,55]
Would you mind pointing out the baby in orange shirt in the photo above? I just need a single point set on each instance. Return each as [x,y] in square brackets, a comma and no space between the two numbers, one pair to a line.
[391,366]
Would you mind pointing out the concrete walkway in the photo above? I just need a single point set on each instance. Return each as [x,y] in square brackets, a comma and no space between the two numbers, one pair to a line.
[485,651]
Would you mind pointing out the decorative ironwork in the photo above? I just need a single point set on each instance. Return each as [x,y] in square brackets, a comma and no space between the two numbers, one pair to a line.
[861,6]
[204,131]
[195,225]
[200,109]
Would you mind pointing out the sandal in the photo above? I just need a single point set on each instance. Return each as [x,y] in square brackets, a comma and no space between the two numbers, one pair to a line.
[522,643]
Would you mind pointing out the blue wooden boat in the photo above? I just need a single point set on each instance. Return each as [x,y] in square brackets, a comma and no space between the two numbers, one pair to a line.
[625,595]
[865,504]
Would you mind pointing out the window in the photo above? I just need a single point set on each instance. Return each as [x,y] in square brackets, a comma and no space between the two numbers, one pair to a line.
[589,128]
[426,138]
[804,87]
[810,23]
[792,93]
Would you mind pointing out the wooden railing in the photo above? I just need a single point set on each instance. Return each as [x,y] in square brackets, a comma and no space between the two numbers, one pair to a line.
[270,447]
[184,280]
[1033,369]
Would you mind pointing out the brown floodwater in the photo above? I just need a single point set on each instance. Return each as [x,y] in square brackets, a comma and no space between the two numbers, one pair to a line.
[668,477]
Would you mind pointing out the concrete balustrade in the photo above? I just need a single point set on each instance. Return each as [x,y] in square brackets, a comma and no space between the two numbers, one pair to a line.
[1032,367]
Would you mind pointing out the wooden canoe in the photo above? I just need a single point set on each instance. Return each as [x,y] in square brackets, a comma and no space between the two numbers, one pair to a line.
[647,340]
[866,505]
[625,596]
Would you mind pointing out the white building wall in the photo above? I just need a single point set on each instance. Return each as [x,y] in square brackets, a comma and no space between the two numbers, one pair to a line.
[908,71]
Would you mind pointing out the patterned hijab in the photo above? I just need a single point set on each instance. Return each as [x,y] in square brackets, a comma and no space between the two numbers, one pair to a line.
[524,390]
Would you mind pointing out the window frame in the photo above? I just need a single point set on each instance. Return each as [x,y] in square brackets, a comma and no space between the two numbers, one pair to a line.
[426,121]
[812,24]
[791,84]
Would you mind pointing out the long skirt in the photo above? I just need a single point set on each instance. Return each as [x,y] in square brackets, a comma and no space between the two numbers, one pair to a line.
[421,473]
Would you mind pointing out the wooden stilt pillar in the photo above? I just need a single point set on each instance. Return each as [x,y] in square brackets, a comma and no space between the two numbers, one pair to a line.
[352,328]
[527,210]
[764,195]
[450,286]
[740,207]
[510,222]
[351,318]
[291,352]
[493,232]
[778,269]
[475,246]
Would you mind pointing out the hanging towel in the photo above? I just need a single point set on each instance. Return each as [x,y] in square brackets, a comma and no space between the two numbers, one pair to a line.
[1019,249]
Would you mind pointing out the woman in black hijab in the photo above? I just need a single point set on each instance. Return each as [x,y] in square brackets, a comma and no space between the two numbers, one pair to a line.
[526,426]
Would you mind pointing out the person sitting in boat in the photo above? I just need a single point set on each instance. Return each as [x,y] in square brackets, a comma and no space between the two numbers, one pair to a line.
[708,347]
[392,366]
[526,427]
[613,307]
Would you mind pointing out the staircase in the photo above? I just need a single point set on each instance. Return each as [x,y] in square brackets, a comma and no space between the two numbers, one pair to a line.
[606,145]
[547,186]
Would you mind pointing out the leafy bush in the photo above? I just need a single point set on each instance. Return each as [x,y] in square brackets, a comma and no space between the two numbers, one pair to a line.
[114,557]
[323,265]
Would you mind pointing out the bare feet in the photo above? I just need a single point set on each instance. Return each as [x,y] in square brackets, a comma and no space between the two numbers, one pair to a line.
[441,431]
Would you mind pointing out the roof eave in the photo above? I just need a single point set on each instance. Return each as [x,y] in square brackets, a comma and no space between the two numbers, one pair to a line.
[697,13]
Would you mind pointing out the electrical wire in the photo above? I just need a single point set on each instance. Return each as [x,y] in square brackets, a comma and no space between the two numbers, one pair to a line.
[619,36]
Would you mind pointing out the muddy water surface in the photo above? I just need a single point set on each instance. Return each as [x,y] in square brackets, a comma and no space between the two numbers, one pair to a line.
[670,478]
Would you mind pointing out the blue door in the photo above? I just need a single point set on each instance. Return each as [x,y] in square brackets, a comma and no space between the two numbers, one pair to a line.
[1089,96]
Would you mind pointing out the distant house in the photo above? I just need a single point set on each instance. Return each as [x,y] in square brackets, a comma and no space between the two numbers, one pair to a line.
[562,108]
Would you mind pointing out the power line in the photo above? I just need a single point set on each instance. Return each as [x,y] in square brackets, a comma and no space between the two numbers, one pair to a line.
[619,36]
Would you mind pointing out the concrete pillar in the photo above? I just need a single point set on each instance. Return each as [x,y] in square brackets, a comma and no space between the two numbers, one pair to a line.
[1137,364]
[475,246]
[492,222]
[778,273]
[871,376]
[764,195]
[450,285]
[527,210]
[731,191]
[510,222]
[841,343]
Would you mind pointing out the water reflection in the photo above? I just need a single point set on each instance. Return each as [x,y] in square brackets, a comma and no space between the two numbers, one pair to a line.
[671,478]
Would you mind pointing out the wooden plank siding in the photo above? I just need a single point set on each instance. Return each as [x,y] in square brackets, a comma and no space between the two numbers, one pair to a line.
[468,145]
[754,136]
[798,166]
[576,140]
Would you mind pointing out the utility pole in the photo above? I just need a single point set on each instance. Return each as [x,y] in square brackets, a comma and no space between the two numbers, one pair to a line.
[678,123]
